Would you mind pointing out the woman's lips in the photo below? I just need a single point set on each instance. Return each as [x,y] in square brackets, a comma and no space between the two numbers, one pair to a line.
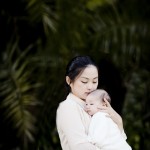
[87,93]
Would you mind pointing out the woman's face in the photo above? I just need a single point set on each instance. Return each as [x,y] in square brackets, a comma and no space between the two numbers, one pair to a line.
[85,83]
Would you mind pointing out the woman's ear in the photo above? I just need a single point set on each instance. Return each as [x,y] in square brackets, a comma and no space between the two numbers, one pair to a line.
[68,80]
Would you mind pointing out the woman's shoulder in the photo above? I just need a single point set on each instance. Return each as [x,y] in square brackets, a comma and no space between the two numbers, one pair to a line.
[67,107]
[66,103]
[72,102]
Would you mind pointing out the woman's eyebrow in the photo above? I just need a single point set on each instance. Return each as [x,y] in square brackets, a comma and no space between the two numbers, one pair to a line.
[88,78]
[85,77]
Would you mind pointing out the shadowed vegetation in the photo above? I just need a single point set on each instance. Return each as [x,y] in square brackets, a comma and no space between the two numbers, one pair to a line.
[39,37]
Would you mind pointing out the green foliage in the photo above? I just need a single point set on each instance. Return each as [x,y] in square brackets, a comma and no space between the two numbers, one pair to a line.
[93,4]
[17,90]
[40,12]
[136,110]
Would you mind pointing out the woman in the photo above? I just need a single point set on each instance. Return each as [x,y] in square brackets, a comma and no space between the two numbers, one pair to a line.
[72,121]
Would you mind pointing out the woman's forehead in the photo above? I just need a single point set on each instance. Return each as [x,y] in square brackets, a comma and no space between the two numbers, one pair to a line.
[90,71]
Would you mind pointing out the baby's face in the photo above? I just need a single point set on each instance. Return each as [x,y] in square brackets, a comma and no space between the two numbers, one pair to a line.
[92,105]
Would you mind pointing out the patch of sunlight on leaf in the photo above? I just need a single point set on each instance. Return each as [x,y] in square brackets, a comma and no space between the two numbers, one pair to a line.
[27,87]
[31,3]
[9,99]
[20,70]
[11,112]
[5,92]
[29,135]
[48,23]
[93,4]
[19,123]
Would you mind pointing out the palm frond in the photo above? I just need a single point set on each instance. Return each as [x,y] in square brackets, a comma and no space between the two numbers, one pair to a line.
[42,12]
[17,92]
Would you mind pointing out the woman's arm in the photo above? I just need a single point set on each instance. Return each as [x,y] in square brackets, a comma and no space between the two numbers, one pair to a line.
[70,128]
[112,114]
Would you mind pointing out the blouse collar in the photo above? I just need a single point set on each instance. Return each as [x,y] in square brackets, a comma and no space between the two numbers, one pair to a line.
[76,99]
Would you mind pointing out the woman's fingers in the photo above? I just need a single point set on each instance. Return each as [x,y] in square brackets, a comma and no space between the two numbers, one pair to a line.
[108,115]
[107,103]
[111,113]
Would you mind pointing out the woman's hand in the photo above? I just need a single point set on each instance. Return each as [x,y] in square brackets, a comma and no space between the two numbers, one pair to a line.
[112,114]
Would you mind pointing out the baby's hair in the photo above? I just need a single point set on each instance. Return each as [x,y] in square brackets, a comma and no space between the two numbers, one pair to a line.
[101,94]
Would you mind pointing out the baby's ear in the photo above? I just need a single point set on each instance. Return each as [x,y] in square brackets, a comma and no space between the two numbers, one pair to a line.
[104,104]
[109,100]
[107,97]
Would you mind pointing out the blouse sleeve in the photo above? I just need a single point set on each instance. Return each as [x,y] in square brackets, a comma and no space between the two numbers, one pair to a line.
[69,121]
[124,135]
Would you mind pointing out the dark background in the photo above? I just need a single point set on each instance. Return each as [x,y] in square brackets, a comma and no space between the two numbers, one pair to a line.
[39,37]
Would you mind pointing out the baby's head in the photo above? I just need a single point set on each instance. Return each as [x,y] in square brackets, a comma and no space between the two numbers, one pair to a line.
[96,99]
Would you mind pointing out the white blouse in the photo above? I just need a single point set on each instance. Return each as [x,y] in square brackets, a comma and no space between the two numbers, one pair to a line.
[72,124]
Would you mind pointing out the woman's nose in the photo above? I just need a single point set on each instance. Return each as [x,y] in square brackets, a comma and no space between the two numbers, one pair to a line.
[89,86]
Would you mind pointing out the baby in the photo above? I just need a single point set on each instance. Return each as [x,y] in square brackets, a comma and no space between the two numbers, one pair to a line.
[103,131]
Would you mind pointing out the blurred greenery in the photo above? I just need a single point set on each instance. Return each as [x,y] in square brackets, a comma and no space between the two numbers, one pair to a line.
[39,37]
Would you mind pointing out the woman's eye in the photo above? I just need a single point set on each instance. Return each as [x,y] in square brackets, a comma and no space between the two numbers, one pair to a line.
[83,82]
[94,82]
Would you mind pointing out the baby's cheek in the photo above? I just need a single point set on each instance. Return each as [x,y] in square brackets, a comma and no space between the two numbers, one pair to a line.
[85,109]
